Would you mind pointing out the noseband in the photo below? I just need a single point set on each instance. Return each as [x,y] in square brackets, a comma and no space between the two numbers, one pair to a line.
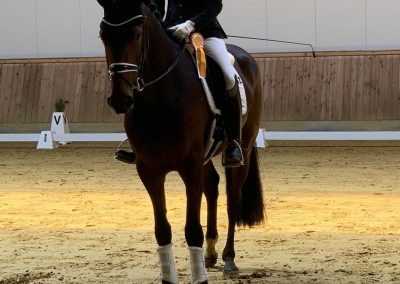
[121,68]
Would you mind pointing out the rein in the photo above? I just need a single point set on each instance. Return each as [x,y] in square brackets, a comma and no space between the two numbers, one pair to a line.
[121,67]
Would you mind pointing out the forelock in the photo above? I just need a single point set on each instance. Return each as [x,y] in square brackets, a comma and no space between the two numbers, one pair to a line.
[121,10]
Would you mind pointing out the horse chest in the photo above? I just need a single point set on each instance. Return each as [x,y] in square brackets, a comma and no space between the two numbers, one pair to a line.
[154,129]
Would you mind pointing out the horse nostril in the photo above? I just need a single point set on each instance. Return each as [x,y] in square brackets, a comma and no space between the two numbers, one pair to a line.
[121,104]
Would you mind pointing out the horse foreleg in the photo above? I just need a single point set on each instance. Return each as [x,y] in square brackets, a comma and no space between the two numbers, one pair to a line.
[154,183]
[192,175]
[210,189]
[167,265]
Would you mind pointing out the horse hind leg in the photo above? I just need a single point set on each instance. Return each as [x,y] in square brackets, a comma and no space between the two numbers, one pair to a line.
[245,204]
[210,189]
[234,180]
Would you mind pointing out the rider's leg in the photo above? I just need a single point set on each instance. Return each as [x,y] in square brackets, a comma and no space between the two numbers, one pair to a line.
[128,157]
[125,156]
[216,49]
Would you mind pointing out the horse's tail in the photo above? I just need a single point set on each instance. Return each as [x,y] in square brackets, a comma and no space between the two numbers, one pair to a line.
[252,208]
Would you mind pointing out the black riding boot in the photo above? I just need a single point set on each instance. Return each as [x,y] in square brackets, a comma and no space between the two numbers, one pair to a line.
[232,115]
[125,156]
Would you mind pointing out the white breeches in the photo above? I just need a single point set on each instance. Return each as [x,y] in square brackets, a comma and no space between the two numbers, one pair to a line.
[216,49]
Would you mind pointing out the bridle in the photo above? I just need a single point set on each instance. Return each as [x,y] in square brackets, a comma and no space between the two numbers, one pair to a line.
[120,68]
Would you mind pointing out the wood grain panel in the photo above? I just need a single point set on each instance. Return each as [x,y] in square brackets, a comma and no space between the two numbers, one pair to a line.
[339,107]
[392,101]
[334,86]
[15,114]
[289,110]
[5,91]
[286,86]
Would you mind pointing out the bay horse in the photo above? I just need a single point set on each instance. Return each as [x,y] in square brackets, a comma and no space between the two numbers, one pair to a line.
[155,84]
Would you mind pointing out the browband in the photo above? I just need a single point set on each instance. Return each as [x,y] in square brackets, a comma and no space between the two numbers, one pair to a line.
[123,23]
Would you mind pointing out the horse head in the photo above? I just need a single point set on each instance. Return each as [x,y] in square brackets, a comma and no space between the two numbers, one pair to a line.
[122,33]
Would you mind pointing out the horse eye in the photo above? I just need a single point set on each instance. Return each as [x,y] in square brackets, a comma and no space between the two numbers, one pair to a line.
[136,32]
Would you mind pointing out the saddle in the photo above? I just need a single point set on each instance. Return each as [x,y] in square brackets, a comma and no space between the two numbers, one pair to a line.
[211,77]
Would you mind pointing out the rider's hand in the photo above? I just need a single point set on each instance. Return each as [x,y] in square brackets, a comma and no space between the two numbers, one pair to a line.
[183,30]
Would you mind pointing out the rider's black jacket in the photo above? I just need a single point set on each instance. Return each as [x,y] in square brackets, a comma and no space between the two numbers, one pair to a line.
[202,12]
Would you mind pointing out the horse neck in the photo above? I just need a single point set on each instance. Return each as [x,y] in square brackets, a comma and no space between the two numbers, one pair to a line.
[161,51]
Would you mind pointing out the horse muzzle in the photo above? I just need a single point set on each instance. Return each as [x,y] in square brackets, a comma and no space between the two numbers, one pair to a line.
[121,104]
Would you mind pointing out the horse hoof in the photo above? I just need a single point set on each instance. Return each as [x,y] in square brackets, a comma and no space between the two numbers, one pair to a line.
[230,269]
[231,274]
[211,261]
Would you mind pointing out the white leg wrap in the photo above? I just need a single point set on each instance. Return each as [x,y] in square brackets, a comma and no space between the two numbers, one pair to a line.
[197,265]
[167,264]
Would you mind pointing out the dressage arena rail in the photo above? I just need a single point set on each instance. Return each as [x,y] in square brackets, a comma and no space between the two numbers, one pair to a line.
[263,136]
[71,137]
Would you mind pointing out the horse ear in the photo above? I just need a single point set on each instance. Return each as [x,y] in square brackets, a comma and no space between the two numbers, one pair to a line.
[154,9]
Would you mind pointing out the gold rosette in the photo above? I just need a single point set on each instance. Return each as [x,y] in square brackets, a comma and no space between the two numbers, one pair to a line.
[197,41]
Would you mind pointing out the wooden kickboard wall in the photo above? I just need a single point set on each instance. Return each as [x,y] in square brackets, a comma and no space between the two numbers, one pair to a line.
[340,86]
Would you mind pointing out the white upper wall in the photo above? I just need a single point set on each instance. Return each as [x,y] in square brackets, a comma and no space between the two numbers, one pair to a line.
[18,29]
[382,24]
[50,28]
[340,24]
[69,28]
[289,21]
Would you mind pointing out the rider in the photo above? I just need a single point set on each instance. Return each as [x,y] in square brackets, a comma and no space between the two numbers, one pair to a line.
[186,16]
